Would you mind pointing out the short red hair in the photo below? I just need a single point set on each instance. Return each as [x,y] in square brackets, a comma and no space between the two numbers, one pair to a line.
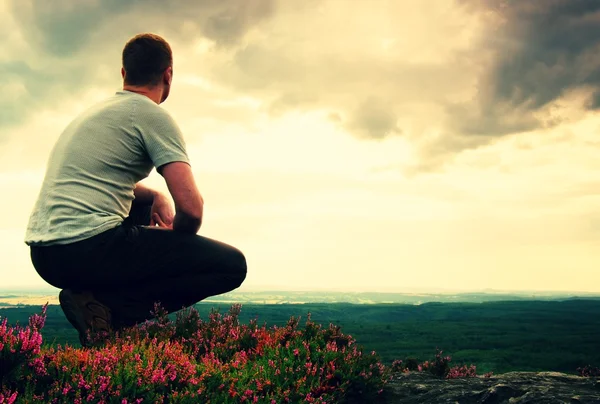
[145,58]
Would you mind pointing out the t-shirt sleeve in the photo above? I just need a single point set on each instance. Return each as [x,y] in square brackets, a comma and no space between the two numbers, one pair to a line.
[161,136]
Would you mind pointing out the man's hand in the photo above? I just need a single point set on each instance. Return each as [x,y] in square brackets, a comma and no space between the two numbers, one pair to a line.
[162,213]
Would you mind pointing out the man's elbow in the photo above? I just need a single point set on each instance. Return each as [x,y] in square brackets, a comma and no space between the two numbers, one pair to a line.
[188,221]
[195,224]
[186,224]
[195,220]
[197,213]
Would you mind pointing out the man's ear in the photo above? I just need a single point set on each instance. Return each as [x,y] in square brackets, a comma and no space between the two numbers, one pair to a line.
[123,73]
[168,75]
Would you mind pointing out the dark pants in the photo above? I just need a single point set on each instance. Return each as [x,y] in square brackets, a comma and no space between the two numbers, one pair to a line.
[131,267]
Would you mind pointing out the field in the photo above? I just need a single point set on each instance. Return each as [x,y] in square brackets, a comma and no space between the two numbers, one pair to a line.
[496,336]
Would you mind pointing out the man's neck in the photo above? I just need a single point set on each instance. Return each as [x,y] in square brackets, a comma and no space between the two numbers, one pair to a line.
[154,93]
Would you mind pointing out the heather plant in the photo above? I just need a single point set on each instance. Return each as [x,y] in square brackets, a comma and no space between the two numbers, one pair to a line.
[397,366]
[589,371]
[7,396]
[439,366]
[412,364]
[190,360]
[18,345]
[462,371]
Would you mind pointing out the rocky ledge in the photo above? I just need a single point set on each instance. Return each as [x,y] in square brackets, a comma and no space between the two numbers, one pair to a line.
[512,387]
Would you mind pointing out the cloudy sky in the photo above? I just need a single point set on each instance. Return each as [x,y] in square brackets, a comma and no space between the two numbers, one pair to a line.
[355,145]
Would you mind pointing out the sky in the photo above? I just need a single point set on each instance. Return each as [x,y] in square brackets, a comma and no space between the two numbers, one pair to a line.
[363,145]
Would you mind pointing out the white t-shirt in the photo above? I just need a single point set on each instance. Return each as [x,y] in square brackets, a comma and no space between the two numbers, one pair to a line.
[95,164]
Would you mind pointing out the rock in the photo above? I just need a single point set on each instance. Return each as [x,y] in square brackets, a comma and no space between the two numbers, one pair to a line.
[509,388]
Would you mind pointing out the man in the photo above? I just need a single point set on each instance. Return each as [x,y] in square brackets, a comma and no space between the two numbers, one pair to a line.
[114,246]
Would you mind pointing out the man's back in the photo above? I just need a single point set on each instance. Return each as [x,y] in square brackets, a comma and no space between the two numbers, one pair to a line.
[95,165]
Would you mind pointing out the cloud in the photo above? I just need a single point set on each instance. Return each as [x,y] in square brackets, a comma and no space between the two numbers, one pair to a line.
[67,46]
[369,67]
[230,20]
[61,28]
[538,52]
[374,119]
[361,64]
[378,69]
[65,27]
[27,89]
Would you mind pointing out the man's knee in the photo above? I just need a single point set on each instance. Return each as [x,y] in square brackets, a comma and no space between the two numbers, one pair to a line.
[238,267]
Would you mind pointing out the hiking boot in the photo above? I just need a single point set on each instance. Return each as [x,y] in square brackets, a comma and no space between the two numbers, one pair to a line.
[85,313]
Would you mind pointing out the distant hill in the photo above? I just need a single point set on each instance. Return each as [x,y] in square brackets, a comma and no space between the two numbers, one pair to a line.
[38,297]
[286,297]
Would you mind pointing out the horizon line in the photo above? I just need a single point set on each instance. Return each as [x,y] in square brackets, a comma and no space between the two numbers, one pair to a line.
[279,289]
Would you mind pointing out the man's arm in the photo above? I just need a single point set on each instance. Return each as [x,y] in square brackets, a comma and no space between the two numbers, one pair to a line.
[143,194]
[189,205]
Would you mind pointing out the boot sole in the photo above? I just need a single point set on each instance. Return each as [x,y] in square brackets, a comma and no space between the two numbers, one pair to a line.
[98,318]
[71,309]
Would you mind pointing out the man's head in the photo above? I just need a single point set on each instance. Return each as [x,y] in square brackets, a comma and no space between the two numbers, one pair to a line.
[148,63]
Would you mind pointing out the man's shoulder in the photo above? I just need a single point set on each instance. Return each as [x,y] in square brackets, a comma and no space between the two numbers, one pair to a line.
[149,113]
[146,107]
[110,107]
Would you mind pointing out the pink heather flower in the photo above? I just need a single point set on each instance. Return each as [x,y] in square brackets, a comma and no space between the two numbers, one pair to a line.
[9,399]
[158,376]
[103,381]
[296,352]
[37,321]
[38,365]
[462,371]
[82,384]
